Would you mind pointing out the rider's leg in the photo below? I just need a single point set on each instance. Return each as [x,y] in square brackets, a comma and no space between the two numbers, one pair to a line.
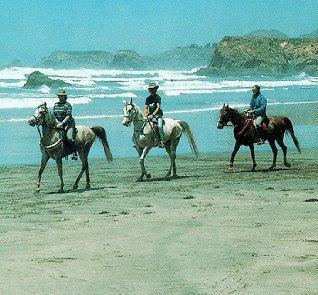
[258,126]
[161,133]
[71,132]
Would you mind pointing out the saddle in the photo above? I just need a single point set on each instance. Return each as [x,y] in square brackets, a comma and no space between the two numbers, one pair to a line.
[248,123]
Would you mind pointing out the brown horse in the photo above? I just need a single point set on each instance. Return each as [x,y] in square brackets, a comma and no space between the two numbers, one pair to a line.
[245,133]
[53,147]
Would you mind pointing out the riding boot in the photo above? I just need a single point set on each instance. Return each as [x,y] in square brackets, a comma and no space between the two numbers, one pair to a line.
[259,138]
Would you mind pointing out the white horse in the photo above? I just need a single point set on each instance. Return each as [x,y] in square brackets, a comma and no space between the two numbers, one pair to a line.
[145,136]
[53,147]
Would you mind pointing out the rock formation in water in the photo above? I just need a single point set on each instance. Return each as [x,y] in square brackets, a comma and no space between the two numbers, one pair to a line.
[37,79]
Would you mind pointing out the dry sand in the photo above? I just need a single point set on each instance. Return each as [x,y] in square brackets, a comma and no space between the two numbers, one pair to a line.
[207,232]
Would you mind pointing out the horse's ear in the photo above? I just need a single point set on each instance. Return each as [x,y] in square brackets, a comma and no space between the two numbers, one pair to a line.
[130,102]
[124,101]
[44,103]
[227,107]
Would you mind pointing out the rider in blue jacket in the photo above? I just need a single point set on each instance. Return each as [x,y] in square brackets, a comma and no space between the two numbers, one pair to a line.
[258,110]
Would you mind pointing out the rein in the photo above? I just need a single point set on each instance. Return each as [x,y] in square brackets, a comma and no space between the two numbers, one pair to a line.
[245,127]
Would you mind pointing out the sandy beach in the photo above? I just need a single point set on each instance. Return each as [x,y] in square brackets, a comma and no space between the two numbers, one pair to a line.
[208,232]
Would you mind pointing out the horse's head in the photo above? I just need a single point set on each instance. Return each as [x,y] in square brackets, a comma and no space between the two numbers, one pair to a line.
[39,115]
[129,112]
[224,117]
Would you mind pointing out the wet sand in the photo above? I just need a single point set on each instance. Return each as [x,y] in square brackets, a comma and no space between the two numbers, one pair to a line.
[208,232]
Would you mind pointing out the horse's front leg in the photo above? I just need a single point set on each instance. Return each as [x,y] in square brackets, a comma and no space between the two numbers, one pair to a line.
[60,172]
[44,161]
[142,155]
[236,149]
[253,156]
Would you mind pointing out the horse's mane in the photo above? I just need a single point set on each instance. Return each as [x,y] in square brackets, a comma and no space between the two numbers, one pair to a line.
[236,110]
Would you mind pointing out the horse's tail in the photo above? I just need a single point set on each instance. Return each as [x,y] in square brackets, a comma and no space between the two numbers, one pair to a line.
[101,134]
[290,130]
[188,132]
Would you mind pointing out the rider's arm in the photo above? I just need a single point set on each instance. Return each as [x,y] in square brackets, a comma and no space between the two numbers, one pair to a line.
[68,116]
[146,110]
[156,110]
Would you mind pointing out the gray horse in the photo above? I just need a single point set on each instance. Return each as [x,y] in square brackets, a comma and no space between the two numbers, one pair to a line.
[145,136]
[53,147]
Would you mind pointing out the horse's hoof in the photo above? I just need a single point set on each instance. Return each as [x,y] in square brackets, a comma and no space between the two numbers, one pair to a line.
[37,190]
[287,164]
[148,175]
[271,167]
[75,187]
[87,186]
[140,179]
[61,190]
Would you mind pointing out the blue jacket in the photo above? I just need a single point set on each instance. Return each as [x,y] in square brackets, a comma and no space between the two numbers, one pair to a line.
[259,104]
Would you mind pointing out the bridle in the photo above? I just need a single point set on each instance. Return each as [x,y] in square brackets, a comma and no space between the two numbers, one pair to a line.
[131,116]
[131,113]
[224,118]
[41,110]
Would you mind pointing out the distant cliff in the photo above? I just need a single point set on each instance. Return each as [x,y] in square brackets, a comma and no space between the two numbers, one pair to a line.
[263,55]
[77,59]
[182,58]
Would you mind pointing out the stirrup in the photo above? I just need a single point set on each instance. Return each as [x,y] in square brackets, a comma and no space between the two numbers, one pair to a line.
[74,156]
[161,144]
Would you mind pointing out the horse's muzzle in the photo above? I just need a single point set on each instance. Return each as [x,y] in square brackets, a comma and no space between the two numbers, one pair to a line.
[219,125]
[32,122]
[127,124]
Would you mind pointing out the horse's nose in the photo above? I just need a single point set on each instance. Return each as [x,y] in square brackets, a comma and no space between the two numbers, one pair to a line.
[219,125]
[31,122]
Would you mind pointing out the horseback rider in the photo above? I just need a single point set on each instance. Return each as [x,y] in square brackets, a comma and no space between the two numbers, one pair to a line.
[153,110]
[62,112]
[258,111]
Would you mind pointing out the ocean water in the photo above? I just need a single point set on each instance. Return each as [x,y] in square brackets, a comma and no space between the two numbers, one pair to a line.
[97,95]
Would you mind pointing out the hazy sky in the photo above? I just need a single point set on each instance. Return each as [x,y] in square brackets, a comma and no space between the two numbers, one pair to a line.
[32,29]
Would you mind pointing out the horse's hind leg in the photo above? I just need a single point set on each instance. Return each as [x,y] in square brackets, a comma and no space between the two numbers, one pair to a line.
[60,172]
[172,151]
[253,156]
[83,156]
[44,161]
[274,150]
[284,149]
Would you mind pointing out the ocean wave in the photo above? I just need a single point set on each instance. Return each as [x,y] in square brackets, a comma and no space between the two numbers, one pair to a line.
[30,102]
[214,107]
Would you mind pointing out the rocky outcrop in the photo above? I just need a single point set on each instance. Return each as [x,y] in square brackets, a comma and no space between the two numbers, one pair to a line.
[268,33]
[262,55]
[77,59]
[38,79]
